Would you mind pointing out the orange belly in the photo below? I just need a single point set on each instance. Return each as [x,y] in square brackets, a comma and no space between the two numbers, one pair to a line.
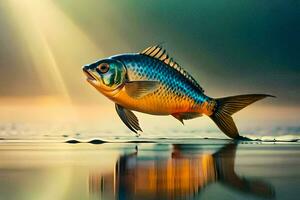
[159,103]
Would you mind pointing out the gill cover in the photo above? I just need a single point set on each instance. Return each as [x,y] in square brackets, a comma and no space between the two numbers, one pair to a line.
[110,72]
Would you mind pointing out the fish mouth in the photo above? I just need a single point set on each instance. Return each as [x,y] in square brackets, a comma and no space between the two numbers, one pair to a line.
[89,76]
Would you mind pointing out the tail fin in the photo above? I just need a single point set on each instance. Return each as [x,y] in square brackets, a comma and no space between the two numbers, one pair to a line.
[227,106]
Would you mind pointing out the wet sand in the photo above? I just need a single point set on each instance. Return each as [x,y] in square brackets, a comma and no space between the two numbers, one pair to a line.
[169,169]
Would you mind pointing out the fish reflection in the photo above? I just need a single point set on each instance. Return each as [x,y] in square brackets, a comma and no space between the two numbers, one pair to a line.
[182,174]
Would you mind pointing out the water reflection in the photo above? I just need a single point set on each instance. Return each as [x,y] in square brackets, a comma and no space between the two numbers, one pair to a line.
[181,174]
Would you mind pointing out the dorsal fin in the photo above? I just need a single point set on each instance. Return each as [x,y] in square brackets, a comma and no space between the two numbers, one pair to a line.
[159,53]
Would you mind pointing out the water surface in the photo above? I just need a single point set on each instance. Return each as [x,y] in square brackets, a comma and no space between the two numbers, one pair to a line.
[178,169]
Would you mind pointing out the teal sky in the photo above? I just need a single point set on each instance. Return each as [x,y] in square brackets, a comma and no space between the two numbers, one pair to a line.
[230,47]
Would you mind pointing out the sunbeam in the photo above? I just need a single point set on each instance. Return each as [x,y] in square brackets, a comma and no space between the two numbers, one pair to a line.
[56,47]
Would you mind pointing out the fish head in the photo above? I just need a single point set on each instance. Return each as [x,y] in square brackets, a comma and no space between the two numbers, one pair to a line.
[106,75]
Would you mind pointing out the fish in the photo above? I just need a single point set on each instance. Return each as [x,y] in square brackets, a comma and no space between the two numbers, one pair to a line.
[152,82]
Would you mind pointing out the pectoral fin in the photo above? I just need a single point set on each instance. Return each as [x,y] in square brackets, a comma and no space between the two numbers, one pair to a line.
[138,89]
[129,119]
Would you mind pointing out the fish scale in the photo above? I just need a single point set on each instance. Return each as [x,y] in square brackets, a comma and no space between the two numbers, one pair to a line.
[175,90]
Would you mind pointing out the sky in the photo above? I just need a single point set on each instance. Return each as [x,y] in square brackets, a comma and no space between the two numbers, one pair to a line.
[229,47]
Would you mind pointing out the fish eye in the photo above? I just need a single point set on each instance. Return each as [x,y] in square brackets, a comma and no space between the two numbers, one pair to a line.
[103,68]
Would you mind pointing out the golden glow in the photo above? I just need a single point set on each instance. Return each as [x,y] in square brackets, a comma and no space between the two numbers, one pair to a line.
[55,44]
[56,47]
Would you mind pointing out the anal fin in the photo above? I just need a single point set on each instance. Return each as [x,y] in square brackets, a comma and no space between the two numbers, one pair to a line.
[186,116]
